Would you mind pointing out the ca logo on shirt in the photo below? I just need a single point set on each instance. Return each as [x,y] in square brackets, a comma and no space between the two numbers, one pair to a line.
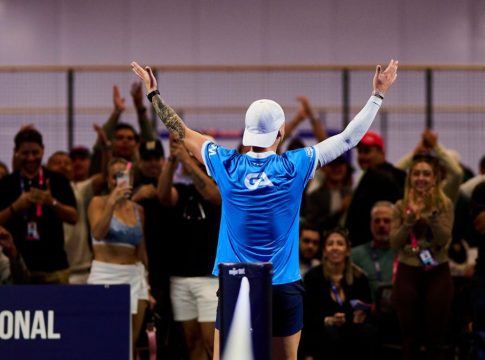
[257,180]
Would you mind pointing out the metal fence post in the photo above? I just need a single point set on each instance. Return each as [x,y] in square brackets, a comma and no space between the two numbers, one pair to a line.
[70,108]
[429,98]
[345,97]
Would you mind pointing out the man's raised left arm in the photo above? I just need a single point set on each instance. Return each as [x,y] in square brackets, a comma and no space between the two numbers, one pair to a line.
[192,140]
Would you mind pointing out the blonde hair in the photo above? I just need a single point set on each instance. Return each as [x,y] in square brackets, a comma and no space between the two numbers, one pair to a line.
[117,160]
[438,199]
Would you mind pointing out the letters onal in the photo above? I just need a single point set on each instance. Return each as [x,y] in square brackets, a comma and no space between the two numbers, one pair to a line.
[27,325]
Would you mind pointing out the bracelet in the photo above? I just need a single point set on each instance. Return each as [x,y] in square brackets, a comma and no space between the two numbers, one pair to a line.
[152,94]
[378,94]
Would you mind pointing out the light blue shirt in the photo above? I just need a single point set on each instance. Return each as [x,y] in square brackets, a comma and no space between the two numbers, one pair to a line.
[261,196]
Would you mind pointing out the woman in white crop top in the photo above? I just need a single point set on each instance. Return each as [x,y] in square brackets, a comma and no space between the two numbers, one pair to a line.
[118,243]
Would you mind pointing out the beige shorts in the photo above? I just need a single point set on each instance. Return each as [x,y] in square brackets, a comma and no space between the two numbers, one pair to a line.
[103,273]
[194,298]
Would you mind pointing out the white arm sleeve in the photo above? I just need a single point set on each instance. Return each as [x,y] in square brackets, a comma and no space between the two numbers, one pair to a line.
[331,148]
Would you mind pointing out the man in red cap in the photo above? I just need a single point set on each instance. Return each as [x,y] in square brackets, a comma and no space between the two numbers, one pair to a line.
[380,181]
[370,150]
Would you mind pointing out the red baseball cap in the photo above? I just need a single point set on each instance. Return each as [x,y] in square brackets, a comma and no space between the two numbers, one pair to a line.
[372,138]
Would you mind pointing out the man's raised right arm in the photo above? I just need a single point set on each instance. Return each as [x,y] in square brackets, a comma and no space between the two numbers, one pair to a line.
[331,148]
[192,140]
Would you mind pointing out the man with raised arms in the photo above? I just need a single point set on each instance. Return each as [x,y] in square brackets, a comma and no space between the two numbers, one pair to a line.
[260,191]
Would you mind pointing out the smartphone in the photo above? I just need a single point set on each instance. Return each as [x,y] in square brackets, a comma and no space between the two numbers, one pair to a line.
[356,304]
[123,178]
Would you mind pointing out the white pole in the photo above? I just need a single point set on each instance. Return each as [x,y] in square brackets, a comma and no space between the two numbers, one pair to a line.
[239,344]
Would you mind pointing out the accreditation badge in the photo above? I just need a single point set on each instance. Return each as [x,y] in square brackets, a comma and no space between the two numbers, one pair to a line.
[427,258]
[32,231]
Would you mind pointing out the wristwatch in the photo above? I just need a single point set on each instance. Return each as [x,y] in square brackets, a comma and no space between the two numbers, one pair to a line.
[378,94]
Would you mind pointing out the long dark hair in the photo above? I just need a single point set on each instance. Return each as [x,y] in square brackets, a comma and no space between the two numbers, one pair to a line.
[350,271]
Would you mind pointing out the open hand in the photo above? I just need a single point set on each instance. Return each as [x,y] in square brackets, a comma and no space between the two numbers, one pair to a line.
[137,94]
[102,138]
[146,75]
[384,79]
[118,101]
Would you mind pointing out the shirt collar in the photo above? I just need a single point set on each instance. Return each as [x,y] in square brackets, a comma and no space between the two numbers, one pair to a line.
[262,155]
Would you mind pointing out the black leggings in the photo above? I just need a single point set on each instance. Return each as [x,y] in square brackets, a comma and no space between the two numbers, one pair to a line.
[423,300]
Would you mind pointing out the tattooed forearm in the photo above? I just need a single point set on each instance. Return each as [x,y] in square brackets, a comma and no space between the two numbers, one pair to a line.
[204,185]
[198,181]
[170,119]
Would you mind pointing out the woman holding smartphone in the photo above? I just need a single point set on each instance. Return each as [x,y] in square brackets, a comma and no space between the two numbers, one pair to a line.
[118,242]
[421,232]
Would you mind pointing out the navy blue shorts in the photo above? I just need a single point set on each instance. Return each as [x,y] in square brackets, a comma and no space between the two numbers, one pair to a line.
[287,311]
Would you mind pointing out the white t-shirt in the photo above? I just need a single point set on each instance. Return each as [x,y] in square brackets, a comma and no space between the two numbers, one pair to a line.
[76,244]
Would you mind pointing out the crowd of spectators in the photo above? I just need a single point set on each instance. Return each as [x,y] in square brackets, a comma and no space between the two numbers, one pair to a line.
[378,255]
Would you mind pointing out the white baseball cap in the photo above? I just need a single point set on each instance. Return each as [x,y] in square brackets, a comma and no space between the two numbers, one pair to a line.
[263,120]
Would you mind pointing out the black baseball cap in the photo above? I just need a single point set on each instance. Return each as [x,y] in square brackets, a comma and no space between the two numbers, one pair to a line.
[151,148]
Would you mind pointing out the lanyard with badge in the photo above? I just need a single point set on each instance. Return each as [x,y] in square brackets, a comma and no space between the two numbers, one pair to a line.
[336,294]
[32,228]
[424,255]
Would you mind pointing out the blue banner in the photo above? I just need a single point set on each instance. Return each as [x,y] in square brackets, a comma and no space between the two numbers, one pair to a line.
[65,322]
